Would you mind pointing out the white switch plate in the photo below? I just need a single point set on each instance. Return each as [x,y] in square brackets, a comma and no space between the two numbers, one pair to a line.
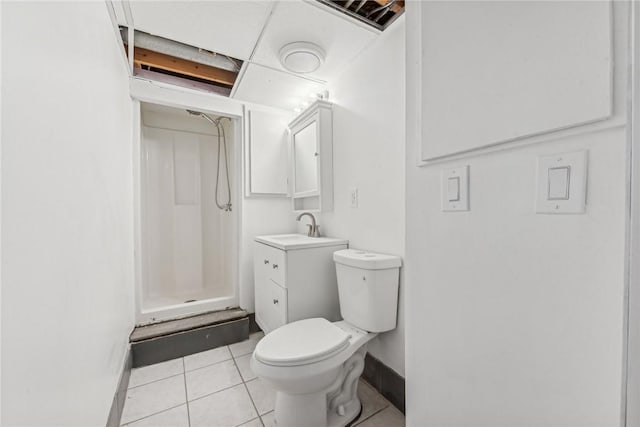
[562,183]
[354,197]
[453,200]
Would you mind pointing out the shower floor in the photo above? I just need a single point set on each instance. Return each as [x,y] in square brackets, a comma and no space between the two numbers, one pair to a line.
[154,302]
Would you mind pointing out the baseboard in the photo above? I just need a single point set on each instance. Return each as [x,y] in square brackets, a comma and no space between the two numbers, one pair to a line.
[253,325]
[385,380]
[117,405]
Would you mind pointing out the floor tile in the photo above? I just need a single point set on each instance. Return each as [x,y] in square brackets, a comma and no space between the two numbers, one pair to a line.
[253,423]
[176,417]
[147,374]
[230,407]
[389,417]
[246,346]
[154,397]
[263,395]
[371,400]
[212,378]
[269,419]
[209,357]
[244,367]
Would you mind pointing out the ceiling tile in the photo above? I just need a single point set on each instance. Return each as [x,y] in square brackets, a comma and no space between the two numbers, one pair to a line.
[228,27]
[266,86]
[341,39]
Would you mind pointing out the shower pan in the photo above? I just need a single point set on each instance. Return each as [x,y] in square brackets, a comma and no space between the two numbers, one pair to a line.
[188,220]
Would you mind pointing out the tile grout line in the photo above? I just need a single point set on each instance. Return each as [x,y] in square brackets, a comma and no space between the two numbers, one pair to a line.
[154,381]
[370,415]
[244,383]
[151,415]
[212,393]
[206,366]
[186,397]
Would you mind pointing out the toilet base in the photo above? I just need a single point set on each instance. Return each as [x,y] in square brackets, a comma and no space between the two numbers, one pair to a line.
[353,410]
[310,412]
[336,406]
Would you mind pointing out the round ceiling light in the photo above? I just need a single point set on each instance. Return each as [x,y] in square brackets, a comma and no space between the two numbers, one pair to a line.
[301,57]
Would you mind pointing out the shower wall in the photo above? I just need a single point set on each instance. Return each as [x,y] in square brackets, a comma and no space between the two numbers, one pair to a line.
[188,243]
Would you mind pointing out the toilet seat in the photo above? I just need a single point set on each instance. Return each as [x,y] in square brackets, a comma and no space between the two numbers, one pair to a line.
[301,343]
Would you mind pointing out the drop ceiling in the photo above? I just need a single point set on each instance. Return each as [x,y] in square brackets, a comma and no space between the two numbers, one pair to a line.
[255,31]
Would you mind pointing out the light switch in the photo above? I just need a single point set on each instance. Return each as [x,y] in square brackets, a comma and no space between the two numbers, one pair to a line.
[558,188]
[562,183]
[453,189]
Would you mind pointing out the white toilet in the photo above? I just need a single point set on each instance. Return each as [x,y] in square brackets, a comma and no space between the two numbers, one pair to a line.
[313,364]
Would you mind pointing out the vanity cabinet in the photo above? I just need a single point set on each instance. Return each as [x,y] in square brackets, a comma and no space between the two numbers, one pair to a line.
[294,284]
[312,159]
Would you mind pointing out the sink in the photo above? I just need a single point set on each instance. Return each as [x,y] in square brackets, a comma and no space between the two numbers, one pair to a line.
[292,237]
[298,241]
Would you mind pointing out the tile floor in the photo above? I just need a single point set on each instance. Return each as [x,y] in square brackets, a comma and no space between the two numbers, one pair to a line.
[217,388]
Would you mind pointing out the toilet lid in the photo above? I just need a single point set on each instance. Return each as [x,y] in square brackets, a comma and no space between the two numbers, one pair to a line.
[302,342]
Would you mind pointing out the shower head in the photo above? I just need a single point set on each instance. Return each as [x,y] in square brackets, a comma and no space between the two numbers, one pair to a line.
[198,113]
[215,122]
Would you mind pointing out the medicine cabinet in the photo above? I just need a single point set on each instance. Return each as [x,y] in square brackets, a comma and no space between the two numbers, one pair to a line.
[312,159]
[267,153]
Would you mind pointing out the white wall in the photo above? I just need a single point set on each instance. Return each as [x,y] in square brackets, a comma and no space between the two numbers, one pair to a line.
[368,154]
[633,361]
[515,318]
[67,261]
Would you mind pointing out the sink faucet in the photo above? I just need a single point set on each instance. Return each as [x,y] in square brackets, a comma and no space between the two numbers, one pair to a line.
[314,229]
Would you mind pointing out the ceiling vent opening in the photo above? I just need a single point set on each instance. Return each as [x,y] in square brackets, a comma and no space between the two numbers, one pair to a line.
[377,13]
[169,61]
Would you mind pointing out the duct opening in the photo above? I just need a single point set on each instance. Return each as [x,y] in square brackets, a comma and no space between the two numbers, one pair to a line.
[377,13]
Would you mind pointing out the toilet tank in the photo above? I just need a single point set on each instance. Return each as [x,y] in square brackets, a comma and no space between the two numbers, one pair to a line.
[368,288]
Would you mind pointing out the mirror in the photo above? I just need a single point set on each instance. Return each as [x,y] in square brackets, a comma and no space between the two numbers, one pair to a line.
[305,156]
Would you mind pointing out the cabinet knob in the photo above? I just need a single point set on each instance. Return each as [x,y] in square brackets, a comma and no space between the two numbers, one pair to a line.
[275,266]
[275,301]
[266,261]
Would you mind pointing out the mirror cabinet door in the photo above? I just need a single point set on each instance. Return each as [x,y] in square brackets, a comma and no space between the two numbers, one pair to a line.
[305,151]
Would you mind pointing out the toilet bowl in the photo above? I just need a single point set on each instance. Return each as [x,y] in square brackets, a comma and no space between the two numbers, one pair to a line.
[313,364]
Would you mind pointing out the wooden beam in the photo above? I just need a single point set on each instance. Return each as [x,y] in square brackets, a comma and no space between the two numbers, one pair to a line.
[397,6]
[182,66]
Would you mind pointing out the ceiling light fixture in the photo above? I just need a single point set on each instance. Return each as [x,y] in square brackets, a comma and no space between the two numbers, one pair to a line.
[301,57]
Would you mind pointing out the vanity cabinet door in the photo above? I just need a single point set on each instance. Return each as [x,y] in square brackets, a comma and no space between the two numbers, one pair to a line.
[274,304]
[276,269]
[269,266]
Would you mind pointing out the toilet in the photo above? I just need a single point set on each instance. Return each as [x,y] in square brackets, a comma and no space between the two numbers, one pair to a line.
[314,364]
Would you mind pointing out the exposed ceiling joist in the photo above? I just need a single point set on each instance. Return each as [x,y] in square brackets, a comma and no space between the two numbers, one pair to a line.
[377,13]
[396,7]
[145,57]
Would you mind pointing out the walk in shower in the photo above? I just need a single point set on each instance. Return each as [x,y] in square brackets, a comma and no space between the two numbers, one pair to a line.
[188,221]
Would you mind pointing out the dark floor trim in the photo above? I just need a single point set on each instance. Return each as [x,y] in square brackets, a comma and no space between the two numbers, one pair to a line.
[161,349]
[253,325]
[388,382]
[115,414]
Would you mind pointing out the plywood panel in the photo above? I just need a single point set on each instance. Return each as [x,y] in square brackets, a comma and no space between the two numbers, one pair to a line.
[497,71]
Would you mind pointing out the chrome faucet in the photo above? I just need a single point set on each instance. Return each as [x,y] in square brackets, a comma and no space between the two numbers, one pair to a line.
[314,229]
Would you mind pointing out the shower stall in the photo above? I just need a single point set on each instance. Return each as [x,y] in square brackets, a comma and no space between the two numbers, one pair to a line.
[187,218]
